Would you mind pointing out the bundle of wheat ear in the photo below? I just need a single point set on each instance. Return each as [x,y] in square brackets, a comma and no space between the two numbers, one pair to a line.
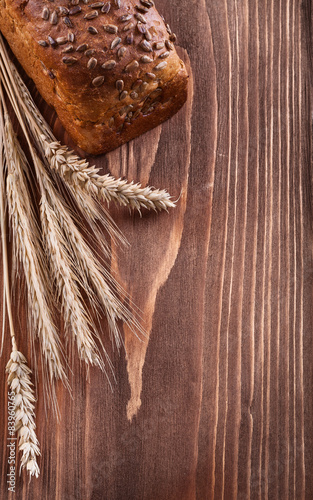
[60,268]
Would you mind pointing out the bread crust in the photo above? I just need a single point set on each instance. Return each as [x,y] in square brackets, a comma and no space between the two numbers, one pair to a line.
[110,77]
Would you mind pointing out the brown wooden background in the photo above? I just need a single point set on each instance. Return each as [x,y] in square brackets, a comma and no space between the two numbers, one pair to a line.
[217,403]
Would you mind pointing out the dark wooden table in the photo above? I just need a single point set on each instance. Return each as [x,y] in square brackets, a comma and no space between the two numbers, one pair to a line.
[217,403]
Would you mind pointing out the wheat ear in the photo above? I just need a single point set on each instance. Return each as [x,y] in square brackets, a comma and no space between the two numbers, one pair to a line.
[104,187]
[20,383]
[76,172]
[90,273]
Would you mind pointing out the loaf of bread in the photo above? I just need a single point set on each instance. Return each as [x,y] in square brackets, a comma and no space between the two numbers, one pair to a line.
[109,69]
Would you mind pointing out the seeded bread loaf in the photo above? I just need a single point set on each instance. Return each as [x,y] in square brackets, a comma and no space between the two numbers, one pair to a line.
[109,69]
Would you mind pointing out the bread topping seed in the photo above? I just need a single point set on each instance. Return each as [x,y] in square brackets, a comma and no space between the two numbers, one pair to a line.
[141,28]
[140,18]
[121,52]
[91,15]
[75,10]
[125,18]
[96,82]
[128,108]
[92,63]
[158,45]
[68,22]
[143,86]
[147,3]
[145,46]
[148,35]
[161,65]
[90,52]
[92,30]
[169,45]
[68,49]
[62,11]
[96,5]
[128,26]
[109,64]
[119,84]
[129,39]
[123,95]
[110,28]
[105,9]
[61,40]
[136,85]
[69,60]
[54,18]
[82,47]
[45,13]
[141,8]
[132,65]
[115,42]
[52,42]
[146,59]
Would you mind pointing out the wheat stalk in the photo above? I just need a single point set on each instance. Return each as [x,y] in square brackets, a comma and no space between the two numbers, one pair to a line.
[17,369]
[87,268]
[20,383]
[75,171]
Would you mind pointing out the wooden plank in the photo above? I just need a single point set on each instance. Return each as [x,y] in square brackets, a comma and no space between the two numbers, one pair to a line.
[217,402]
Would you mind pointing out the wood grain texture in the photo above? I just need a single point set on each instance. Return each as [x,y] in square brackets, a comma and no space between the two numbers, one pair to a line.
[217,402]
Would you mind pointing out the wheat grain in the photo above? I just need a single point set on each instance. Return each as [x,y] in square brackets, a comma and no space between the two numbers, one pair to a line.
[20,383]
